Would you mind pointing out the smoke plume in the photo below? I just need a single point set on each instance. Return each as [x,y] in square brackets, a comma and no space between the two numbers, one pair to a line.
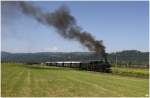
[65,24]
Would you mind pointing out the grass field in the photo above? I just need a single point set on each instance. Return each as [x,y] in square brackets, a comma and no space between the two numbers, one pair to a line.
[135,72]
[21,80]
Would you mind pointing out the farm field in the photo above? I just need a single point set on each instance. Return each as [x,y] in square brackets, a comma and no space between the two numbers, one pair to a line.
[21,80]
[134,72]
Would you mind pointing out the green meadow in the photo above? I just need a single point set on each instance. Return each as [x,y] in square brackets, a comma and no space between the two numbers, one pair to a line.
[20,80]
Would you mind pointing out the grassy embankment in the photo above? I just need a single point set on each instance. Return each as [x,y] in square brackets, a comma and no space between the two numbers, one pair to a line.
[21,80]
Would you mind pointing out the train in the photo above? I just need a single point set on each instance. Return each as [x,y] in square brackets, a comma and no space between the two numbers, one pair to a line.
[89,65]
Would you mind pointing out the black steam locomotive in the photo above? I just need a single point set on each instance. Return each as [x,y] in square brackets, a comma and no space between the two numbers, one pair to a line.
[95,65]
[90,65]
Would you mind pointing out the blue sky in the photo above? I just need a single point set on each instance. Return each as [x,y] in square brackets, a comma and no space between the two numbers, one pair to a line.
[121,26]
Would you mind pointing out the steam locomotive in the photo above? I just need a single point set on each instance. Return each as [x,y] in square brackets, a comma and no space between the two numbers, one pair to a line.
[96,65]
[90,65]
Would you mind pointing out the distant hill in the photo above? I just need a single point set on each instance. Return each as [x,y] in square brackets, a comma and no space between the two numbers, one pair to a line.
[46,56]
[123,57]
[129,57]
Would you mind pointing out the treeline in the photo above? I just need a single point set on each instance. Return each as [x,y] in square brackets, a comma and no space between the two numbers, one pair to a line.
[47,56]
[130,57]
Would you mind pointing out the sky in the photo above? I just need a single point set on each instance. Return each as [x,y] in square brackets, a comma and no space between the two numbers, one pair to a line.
[122,25]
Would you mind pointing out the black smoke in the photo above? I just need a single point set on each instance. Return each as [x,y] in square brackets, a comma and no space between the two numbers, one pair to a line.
[66,26]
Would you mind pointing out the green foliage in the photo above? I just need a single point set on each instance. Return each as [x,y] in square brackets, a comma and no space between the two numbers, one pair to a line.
[130,57]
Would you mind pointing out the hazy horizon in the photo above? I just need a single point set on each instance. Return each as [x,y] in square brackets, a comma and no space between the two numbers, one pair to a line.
[68,51]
